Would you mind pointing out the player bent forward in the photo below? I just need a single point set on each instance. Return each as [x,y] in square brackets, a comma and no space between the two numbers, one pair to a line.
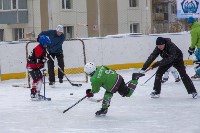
[111,82]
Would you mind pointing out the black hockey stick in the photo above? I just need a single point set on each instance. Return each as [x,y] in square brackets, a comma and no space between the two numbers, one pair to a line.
[149,79]
[41,96]
[73,84]
[74,104]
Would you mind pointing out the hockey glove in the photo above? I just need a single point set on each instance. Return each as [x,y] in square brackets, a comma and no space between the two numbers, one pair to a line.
[89,93]
[136,76]
[191,50]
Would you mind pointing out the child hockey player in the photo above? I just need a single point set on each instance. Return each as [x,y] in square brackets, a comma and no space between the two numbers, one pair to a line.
[174,73]
[36,62]
[111,82]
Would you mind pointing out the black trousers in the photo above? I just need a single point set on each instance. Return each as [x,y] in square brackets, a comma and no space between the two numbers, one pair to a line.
[179,65]
[123,89]
[50,62]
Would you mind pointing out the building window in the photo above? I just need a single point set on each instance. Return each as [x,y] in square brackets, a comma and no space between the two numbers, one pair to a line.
[6,4]
[173,9]
[14,4]
[134,28]
[1,4]
[66,4]
[18,33]
[133,3]
[159,9]
[1,34]
[69,32]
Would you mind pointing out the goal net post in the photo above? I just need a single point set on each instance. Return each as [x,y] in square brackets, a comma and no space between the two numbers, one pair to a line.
[74,61]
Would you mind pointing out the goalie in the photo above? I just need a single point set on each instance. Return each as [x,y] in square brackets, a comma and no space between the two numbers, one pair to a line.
[111,82]
[35,62]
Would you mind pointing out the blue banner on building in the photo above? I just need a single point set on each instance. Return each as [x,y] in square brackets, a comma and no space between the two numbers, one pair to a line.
[187,8]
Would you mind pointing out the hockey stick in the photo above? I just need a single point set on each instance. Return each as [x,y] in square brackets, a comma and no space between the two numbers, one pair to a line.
[91,99]
[44,97]
[149,79]
[73,84]
[187,61]
[74,104]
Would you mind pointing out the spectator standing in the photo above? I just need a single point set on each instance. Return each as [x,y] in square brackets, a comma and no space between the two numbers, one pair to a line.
[55,50]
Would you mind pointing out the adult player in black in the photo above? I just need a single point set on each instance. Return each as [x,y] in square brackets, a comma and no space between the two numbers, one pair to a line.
[172,56]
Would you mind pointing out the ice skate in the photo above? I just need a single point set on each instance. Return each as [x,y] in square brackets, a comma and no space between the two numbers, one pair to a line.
[177,80]
[194,95]
[101,112]
[164,80]
[52,84]
[154,95]
[196,76]
[33,93]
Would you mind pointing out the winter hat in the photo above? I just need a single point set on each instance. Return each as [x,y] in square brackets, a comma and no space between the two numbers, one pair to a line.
[160,41]
[59,28]
[191,20]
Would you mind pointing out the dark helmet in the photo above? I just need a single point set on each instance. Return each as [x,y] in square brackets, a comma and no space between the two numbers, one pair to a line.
[44,40]
[136,76]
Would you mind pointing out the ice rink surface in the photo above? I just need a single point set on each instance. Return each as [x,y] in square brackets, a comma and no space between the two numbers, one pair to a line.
[174,112]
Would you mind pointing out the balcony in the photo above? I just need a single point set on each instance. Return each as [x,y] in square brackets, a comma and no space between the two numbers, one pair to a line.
[14,16]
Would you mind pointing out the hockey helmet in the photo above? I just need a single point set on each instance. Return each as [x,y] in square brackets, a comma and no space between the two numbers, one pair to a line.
[44,40]
[89,68]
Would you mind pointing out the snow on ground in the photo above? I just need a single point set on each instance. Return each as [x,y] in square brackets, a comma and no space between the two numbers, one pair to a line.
[174,112]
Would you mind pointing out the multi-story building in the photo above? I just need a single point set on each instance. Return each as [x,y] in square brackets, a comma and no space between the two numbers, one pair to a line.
[84,18]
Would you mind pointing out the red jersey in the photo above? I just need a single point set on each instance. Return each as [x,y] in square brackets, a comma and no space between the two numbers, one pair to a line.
[37,58]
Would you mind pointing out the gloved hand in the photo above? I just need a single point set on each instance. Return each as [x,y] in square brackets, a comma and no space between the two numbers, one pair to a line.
[89,93]
[191,50]
[142,71]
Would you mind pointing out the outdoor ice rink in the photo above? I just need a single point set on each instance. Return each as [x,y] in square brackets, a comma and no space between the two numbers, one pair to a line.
[174,112]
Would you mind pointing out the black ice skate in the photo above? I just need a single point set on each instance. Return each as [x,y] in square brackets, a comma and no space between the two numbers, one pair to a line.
[196,76]
[154,95]
[164,80]
[178,79]
[101,112]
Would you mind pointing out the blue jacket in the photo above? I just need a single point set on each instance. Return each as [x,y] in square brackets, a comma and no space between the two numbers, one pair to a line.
[56,41]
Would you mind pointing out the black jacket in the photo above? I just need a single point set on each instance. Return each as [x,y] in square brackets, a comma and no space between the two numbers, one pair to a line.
[171,54]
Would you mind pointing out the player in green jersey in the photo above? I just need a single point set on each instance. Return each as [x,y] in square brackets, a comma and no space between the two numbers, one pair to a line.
[111,82]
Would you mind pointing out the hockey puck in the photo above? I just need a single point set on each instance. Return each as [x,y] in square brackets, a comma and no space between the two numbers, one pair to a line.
[71,93]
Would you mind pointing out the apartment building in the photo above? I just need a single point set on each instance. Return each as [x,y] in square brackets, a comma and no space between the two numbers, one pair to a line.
[80,18]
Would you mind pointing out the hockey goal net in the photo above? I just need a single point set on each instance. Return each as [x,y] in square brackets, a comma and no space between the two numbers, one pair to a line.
[74,60]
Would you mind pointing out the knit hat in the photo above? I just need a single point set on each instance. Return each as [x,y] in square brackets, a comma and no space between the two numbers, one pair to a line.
[191,20]
[59,28]
[160,41]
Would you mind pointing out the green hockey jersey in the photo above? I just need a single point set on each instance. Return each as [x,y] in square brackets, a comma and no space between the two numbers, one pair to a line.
[103,77]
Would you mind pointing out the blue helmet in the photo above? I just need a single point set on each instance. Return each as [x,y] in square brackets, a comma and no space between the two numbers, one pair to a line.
[44,40]
[191,20]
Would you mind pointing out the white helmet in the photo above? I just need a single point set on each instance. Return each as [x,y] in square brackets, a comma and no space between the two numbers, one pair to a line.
[89,68]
